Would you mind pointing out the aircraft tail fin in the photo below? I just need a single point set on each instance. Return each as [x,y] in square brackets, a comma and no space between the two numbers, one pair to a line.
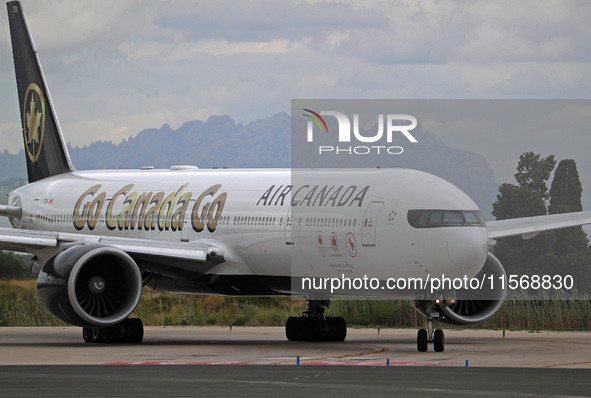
[45,149]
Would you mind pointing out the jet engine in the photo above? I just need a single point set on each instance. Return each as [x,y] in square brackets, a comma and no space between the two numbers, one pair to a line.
[90,285]
[470,306]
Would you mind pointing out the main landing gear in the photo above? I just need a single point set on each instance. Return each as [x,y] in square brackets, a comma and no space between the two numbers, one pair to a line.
[130,330]
[314,326]
[429,336]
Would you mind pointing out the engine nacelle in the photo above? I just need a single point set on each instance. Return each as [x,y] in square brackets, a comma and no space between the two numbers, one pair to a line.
[90,285]
[469,307]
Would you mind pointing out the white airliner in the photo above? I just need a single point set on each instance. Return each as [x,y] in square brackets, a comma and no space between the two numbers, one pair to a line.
[101,236]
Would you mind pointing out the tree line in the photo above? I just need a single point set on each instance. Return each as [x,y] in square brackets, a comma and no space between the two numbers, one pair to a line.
[558,252]
[12,266]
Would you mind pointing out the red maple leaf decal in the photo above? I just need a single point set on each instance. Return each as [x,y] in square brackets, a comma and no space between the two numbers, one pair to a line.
[334,241]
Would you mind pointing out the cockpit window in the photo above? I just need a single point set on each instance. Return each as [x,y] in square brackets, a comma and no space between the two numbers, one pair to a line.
[445,218]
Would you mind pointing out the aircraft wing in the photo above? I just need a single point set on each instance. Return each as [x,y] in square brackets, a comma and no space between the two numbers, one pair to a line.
[528,227]
[199,255]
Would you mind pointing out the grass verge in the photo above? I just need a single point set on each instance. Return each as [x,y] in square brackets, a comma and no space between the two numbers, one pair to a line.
[19,306]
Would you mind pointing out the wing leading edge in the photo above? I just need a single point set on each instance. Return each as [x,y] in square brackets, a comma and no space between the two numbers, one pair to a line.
[528,227]
[200,256]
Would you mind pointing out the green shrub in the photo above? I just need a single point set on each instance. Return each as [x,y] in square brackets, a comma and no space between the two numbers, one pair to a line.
[19,306]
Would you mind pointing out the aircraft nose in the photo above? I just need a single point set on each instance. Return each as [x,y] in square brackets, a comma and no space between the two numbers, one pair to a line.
[468,248]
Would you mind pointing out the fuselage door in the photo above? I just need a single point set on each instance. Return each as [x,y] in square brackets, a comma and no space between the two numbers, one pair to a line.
[185,230]
[288,228]
[33,211]
[368,228]
[102,227]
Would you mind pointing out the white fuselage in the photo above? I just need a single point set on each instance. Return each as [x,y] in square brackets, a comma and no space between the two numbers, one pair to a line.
[317,223]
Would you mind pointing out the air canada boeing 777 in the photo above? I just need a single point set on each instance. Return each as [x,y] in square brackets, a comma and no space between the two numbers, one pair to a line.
[101,236]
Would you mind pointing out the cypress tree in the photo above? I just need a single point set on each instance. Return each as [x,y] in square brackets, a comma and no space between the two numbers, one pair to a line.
[566,190]
[570,245]
[559,252]
[519,256]
[533,172]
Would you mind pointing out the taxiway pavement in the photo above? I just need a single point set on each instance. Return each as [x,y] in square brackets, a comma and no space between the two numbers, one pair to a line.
[181,362]
[268,346]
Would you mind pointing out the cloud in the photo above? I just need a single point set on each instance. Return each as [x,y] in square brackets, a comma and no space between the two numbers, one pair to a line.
[145,63]
[202,50]
[336,37]
[68,24]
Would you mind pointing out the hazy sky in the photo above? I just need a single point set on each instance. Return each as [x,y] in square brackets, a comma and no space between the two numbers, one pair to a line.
[117,67]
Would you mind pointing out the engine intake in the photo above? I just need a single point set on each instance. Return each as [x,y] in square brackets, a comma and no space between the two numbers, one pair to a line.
[470,307]
[90,285]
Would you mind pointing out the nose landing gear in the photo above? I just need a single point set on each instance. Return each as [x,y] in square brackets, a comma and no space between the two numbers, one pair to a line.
[424,337]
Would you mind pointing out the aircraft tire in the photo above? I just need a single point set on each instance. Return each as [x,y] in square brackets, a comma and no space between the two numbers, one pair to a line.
[110,334]
[291,328]
[340,329]
[136,333]
[96,335]
[312,330]
[422,343]
[439,341]
[87,335]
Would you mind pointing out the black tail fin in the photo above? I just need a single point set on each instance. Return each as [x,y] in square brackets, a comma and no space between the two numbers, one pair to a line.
[45,149]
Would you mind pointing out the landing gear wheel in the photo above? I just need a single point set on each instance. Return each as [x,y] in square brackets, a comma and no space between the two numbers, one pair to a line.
[422,343]
[97,335]
[312,329]
[314,326]
[87,335]
[291,327]
[438,341]
[136,334]
[340,326]
[128,331]
[110,334]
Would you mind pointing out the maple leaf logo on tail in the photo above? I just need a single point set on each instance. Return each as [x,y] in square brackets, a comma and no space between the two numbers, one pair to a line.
[34,121]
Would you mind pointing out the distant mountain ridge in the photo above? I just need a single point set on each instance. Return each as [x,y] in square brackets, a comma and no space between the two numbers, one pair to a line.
[218,142]
[221,142]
